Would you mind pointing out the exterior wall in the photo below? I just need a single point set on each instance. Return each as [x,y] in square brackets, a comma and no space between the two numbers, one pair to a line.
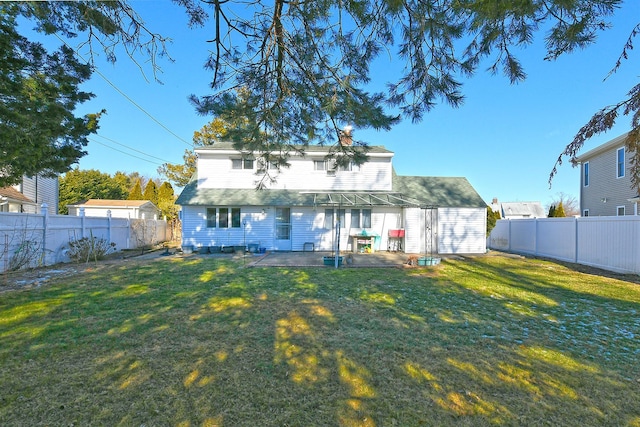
[445,231]
[605,191]
[133,213]
[258,229]
[307,226]
[611,243]
[462,230]
[40,190]
[214,171]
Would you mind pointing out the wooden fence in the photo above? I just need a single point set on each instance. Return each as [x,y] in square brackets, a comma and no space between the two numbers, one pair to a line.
[610,243]
[30,240]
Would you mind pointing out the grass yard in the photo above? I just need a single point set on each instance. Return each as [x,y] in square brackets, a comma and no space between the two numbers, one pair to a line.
[199,341]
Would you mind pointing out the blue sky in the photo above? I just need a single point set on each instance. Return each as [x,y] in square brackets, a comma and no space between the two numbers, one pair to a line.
[504,139]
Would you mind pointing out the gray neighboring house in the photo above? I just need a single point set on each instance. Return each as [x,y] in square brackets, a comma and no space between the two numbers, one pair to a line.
[301,208]
[518,210]
[605,181]
[30,194]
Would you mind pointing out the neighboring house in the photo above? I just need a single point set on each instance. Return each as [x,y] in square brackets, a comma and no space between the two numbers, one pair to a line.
[11,200]
[29,195]
[301,208]
[518,210]
[133,209]
[605,181]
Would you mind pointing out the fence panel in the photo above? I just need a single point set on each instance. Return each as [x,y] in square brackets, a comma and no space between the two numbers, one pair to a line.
[610,243]
[523,236]
[556,238]
[30,240]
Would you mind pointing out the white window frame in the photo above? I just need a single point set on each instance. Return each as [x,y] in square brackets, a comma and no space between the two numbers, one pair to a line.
[624,210]
[319,165]
[620,165]
[585,174]
[585,212]
[245,164]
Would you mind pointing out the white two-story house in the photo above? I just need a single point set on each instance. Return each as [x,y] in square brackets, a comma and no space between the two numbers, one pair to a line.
[314,205]
[605,181]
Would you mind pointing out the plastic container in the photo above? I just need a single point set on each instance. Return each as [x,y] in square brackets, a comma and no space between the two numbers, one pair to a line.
[331,261]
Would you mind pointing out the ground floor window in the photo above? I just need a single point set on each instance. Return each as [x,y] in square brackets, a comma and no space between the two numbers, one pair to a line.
[227,217]
[211,217]
[328,218]
[621,210]
[360,218]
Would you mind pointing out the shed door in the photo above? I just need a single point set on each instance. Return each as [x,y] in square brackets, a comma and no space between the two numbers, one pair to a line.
[283,229]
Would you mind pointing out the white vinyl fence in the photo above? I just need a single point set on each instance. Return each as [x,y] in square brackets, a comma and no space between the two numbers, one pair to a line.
[607,242]
[30,240]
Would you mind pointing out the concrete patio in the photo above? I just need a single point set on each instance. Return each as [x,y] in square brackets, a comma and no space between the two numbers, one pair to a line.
[315,259]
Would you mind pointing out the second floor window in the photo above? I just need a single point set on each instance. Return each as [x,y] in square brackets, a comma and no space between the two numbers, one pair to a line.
[241,164]
[620,163]
[585,169]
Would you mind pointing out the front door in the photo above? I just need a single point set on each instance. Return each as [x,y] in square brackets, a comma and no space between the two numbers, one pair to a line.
[283,229]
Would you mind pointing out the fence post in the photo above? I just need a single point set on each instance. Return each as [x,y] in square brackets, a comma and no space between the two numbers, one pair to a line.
[44,210]
[109,225]
[81,223]
[509,235]
[535,237]
[576,240]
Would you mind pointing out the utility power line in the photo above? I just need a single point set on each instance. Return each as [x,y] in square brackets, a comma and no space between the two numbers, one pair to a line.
[124,152]
[130,148]
[127,97]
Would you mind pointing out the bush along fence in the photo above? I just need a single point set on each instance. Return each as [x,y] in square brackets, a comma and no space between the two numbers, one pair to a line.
[607,242]
[32,240]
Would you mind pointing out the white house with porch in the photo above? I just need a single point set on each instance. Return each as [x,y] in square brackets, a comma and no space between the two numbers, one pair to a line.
[316,205]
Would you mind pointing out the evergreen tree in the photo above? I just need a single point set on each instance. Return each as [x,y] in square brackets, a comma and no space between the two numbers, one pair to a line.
[39,133]
[136,192]
[80,185]
[166,201]
[124,181]
[559,213]
[151,192]
[552,211]
[492,218]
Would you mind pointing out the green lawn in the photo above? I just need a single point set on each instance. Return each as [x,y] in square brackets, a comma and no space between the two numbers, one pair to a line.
[199,341]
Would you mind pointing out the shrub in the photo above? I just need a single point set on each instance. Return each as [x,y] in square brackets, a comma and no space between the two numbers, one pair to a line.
[27,252]
[90,248]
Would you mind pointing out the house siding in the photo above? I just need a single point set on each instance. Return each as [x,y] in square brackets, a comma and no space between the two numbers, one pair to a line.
[374,175]
[258,228]
[40,190]
[462,230]
[604,184]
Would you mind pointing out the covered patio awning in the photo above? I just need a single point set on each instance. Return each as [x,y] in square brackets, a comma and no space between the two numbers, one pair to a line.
[345,198]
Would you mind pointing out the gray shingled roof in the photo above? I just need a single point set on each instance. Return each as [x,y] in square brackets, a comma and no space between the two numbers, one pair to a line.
[449,192]
[407,191]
